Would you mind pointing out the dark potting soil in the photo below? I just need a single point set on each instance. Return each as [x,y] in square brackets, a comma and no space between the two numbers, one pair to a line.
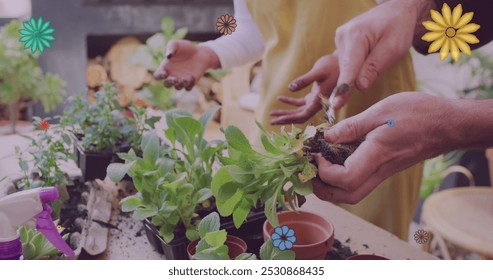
[74,211]
[335,153]
[340,251]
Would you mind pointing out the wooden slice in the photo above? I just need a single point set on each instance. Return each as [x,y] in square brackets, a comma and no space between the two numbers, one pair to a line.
[122,71]
[95,75]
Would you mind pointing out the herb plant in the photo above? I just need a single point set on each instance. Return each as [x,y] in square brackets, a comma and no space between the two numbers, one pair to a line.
[173,181]
[104,125]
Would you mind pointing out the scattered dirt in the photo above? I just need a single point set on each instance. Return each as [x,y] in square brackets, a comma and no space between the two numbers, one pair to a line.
[340,251]
[74,211]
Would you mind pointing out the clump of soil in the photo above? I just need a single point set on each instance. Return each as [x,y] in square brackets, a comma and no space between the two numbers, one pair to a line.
[335,153]
[340,251]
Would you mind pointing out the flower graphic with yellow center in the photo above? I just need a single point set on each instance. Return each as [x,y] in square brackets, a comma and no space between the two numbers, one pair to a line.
[450,32]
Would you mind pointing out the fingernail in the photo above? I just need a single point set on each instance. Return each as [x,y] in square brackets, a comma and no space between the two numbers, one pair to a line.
[342,89]
[169,55]
[293,86]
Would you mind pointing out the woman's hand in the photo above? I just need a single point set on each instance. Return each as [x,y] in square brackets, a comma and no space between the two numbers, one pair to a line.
[400,131]
[323,76]
[185,64]
[371,42]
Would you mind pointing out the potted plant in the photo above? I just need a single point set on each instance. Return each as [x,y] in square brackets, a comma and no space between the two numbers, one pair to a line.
[315,234]
[217,244]
[21,79]
[281,172]
[173,181]
[102,129]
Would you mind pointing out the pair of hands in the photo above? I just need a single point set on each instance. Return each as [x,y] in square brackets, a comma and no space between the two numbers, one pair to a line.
[366,46]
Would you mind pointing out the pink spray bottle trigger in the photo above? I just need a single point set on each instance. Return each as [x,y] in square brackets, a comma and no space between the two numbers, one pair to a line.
[46,226]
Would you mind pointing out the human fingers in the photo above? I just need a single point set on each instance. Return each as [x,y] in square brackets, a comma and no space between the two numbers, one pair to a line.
[292,101]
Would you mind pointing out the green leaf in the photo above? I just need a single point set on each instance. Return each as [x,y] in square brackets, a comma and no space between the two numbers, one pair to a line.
[210,223]
[207,117]
[229,196]
[192,234]
[237,140]
[246,256]
[270,209]
[268,145]
[285,255]
[203,195]
[221,177]
[216,238]
[144,212]
[304,189]
[240,175]
[150,147]
[201,246]
[167,26]
[191,126]
[168,236]
[240,213]
[130,203]
[180,33]
[116,171]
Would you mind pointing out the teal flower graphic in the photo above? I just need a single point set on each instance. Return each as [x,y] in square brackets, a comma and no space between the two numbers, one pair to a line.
[36,34]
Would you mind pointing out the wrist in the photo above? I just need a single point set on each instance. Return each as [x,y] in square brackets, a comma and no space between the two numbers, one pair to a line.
[473,128]
[212,60]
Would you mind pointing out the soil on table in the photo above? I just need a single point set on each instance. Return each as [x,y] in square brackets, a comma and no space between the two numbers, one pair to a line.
[340,251]
[74,212]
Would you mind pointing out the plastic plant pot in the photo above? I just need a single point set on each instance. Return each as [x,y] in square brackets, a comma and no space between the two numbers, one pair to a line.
[366,257]
[314,234]
[175,250]
[236,247]
[93,165]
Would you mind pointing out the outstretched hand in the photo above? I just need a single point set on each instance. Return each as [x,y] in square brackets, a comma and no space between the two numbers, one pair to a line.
[185,64]
[323,76]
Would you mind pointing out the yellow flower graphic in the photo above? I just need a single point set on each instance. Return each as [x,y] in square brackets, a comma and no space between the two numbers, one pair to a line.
[450,32]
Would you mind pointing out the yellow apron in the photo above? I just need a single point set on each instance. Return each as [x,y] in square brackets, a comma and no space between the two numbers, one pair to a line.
[296,34]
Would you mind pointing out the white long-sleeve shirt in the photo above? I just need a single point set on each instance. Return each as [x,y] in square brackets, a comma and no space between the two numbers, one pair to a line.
[244,45]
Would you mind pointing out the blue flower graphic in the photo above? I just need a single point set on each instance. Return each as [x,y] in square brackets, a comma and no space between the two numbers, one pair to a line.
[390,123]
[283,238]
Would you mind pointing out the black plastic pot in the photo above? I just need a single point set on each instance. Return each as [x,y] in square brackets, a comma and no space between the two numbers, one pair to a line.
[175,250]
[92,164]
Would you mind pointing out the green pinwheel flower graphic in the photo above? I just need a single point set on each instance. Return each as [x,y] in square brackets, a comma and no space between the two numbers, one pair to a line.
[36,34]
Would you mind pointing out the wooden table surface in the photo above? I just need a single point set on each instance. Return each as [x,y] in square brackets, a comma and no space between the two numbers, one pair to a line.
[130,242]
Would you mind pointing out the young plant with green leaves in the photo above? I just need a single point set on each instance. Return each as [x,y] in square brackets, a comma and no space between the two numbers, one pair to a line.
[173,181]
[104,125]
[278,173]
[281,172]
[21,78]
[212,244]
[36,247]
[49,146]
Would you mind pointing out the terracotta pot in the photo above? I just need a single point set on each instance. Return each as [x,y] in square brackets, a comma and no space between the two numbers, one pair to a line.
[366,257]
[314,234]
[236,247]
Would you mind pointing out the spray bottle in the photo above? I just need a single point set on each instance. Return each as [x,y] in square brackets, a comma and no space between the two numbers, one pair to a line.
[30,207]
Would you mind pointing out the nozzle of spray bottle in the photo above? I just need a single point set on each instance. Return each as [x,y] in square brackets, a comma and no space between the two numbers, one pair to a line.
[30,207]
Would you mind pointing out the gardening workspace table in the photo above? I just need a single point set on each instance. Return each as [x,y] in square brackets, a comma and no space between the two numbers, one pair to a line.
[127,239]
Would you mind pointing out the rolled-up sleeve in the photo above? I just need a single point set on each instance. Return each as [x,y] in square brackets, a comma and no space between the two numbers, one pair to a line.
[244,45]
